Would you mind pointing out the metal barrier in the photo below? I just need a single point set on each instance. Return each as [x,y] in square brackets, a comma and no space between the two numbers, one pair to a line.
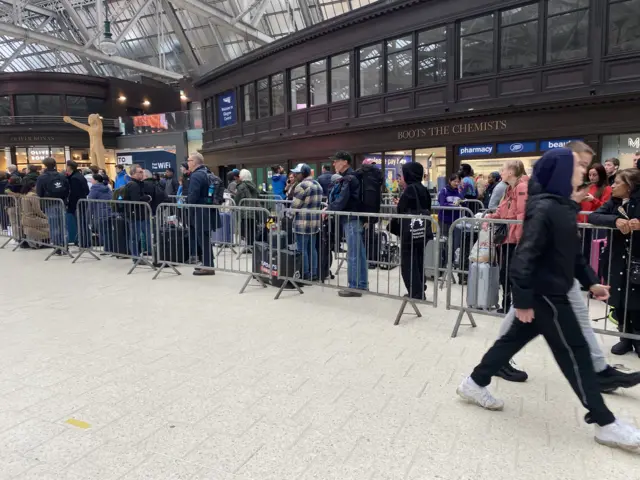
[275,205]
[304,255]
[10,219]
[119,228]
[186,233]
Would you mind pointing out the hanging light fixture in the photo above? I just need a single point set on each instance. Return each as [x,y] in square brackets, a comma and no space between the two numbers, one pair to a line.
[107,43]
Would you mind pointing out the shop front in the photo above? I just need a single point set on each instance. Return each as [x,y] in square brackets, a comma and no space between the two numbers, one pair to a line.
[156,160]
[625,147]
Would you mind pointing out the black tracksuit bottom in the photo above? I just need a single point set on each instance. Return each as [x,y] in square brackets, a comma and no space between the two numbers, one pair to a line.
[556,322]
[412,269]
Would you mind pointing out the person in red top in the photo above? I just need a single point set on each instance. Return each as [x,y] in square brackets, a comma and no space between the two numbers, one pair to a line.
[598,193]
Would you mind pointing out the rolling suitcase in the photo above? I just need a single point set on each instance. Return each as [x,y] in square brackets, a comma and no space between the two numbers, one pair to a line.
[173,245]
[268,261]
[431,255]
[119,239]
[483,286]
[224,233]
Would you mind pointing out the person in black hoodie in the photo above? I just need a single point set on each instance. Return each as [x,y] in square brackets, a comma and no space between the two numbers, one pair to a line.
[137,214]
[78,189]
[542,271]
[415,200]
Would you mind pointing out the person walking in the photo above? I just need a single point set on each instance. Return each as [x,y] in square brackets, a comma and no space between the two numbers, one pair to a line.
[544,265]
[307,198]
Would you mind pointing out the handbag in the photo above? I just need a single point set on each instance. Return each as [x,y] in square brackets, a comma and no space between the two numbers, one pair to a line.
[412,229]
[500,233]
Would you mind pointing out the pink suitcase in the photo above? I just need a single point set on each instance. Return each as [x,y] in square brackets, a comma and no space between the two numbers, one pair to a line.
[594,259]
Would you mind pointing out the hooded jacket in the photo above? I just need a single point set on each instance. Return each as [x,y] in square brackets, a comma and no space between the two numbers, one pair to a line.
[512,207]
[246,189]
[78,189]
[549,255]
[100,210]
[121,179]
[447,198]
[415,197]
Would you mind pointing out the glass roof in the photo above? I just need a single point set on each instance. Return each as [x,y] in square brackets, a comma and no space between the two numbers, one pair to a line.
[187,37]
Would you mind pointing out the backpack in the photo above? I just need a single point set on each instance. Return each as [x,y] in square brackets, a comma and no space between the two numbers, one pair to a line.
[119,194]
[371,181]
[215,191]
[56,186]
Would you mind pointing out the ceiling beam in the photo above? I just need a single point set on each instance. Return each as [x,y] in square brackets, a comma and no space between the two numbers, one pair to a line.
[259,13]
[59,44]
[32,8]
[178,31]
[224,19]
[65,29]
[221,45]
[133,21]
[77,21]
[16,53]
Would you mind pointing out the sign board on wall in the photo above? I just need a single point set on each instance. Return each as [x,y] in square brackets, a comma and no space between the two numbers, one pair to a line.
[558,143]
[516,148]
[124,160]
[227,109]
[473,150]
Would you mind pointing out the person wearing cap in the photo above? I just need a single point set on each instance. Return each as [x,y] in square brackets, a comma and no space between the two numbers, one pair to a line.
[348,200]
[232,181]
[306,225]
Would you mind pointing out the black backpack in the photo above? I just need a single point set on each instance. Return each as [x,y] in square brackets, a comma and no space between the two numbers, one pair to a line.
[371,181]
[56,186]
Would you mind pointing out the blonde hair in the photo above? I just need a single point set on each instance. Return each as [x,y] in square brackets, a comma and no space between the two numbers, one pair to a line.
[516,166]
[245,175]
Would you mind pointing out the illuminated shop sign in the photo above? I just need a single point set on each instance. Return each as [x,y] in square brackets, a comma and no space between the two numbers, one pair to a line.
[467,150]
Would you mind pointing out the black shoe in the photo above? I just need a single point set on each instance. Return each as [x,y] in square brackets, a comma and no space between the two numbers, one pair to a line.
[512,374]
[201,272]
[611,378]
[625,345]
[348,294]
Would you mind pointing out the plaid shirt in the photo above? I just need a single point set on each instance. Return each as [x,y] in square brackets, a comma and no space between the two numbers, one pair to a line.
[307,196]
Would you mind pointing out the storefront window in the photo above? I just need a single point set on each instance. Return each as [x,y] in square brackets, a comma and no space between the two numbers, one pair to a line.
[277,94]
[340,78]
[623,147]
[519,37]
[5,106]
[567,29]
[399,63]
[318,83]
[38,154]
[432,56]
[393,162]
[624,25]
[49,105]
[371,70]
[248,93]
[26,105]
[263,98]
[4,157]
[299,88]
[58,154]
[77,106]
[434,161]
[476,46]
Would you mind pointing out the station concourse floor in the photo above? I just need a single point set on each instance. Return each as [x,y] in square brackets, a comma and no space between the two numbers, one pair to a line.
[108,376]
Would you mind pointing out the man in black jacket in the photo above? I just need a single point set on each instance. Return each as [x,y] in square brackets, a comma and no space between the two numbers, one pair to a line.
[137,214]
[78,189]
[205,188]
[53,185]
[543,268]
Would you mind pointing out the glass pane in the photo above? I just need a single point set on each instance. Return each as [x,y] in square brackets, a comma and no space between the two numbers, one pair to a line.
[370,77]
[263,101]
[432,63]
[299,93]
[277,97]
[519,46]
[298,72]
[476,54]
[401,43]
[559,6]
[400,71]
[624,26]
[95,105]
[340,84]
[77,106]
[49,105]
[319,66]
[26,105]
[5,107]
[263,84]
[370,52]
[567,36]
[474,25]
[276,79]
[249,102]
[318,89]
[339,60]
[432,36]
[520,14]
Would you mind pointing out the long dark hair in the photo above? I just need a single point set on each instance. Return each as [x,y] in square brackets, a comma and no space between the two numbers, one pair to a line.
[602,182]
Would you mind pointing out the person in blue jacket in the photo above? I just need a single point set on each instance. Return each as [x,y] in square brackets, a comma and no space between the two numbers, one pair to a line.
[449,196]
[121,177]
[278,182]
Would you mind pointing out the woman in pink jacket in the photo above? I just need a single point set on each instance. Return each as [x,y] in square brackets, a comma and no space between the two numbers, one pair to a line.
[511,207]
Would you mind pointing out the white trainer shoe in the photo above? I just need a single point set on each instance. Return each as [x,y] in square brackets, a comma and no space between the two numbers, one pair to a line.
[619,435]
[472,392]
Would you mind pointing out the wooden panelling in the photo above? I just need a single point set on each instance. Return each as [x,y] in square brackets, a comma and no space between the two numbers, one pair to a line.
[398,102]
[277,123]
[475,90]
[298,119]
[517,84]
[249,128]
[339,111]
[372,106]
[318,115]
[430,97]
[574,76]
[263,126]
[622,69]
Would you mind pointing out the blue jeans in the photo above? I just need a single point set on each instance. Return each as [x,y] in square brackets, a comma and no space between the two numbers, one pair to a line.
[357,268]
[307,245]
[138,229]
[56,232]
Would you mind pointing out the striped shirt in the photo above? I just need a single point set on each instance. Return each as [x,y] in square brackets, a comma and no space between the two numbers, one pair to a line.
[307,196]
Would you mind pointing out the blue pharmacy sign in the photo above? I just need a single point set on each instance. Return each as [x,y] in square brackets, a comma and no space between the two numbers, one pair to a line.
[473,150]
[516,148]
[227,108]
[558,143]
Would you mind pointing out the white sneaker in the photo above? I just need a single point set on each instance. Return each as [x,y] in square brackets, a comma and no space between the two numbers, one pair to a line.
[619,435]
[472,392]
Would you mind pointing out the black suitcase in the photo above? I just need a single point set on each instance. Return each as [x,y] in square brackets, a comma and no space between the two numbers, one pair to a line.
[282,240]
[173,245]
[267,261]
[119,237]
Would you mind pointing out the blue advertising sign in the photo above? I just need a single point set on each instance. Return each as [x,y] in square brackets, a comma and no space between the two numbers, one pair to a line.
[470,150]
[227,108]
[516,147]
[549,144]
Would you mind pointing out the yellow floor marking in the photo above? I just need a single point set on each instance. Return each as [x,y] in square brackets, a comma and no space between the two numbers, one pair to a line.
[78,423]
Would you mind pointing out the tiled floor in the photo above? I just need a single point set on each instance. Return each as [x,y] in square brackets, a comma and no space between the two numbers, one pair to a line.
[107,376]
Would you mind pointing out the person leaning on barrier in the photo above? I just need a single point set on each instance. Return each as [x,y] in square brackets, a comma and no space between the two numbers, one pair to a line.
[306,225]
[449,196]
[35,225]
[416,200]
[246,189]
[78,189]
[544,266]
[136,216]
[100,212]
[205,188]
[622,213]
[348,200]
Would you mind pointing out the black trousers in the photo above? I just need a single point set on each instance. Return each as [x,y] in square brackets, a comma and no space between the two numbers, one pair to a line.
[556,322]
[412,269]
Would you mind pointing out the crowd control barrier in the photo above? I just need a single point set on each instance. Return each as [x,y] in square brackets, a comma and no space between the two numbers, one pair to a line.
[10,228]
[119,228]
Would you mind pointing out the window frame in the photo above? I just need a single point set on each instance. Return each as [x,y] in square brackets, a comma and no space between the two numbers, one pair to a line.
[547,16]
[306,89]
[282,83]
[416,61]
[607,45]
[540,34]
[412,49]
[330,71]
[255,101]
[327,88]
[495,40]
[381,57]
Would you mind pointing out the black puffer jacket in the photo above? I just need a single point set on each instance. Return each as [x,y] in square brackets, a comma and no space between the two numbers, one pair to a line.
[549,256]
